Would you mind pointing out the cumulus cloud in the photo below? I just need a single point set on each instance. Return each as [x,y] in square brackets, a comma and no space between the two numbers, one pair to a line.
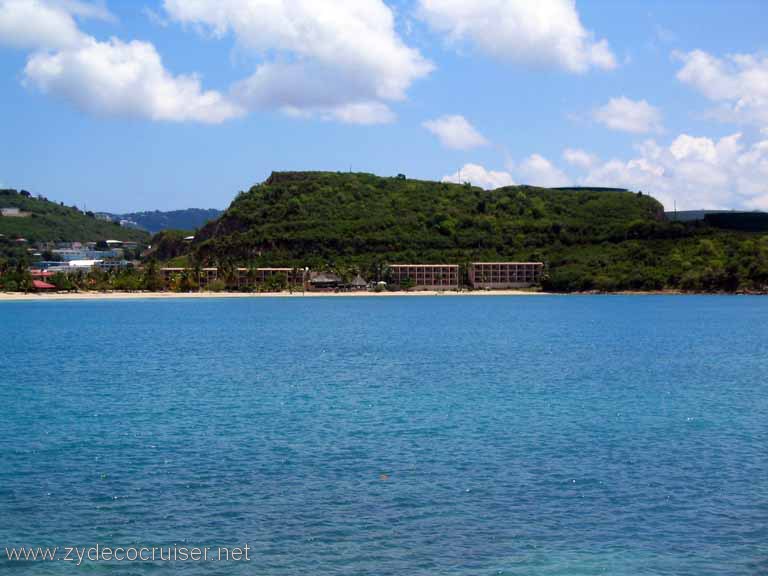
[478,175]
[695,172]
[111,78]
[125,79]
[579,157]
[738,83]
[455,132]
[625,115]
[37,24]
[545,32]
[536,170]
[692,172]
[335,58]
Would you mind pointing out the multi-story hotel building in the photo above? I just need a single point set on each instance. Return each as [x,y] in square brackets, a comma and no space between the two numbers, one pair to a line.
[208,275]
[425,276]
[172,275]
[499,275]
[247,277]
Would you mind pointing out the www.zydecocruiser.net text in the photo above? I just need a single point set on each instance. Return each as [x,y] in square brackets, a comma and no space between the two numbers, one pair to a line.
[79,555]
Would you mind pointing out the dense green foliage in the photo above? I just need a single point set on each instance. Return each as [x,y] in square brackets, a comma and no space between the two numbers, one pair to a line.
[19,279]
[157,221]
[12,254]
[51,222]
[170,244]
[590,239]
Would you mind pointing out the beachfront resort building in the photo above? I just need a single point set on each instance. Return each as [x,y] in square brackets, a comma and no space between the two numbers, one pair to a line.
[284,277]
[425,276]
[173,276]
[325,281]
[501,275]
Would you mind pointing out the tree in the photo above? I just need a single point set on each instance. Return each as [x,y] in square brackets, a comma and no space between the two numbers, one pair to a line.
[151,279]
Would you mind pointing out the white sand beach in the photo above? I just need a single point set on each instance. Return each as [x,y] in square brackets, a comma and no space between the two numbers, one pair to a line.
[57,296]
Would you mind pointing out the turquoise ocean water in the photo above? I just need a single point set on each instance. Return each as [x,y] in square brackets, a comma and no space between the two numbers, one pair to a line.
[402,436]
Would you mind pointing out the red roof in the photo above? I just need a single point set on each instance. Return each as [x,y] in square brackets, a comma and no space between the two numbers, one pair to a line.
[40,285]
[42,273]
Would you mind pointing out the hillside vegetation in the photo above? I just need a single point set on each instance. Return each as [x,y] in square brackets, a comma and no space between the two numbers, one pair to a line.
[51,222]
[590,239]
[327,217]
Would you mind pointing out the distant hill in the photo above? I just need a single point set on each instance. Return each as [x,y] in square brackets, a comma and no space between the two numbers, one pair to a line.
[746,221]
[40,220]
[589,238]
[691,215]
[157,221]
[752,221]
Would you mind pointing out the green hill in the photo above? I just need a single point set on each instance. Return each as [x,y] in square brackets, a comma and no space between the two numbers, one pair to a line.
[590,239]
[46,221]
[328,216]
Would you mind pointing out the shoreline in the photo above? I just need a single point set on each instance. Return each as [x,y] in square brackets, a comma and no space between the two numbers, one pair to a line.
[74,296]
[114,296]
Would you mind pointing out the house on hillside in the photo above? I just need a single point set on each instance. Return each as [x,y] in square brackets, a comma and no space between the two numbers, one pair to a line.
[14,213]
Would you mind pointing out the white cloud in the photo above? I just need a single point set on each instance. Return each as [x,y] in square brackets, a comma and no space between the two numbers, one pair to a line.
[365,113]
[535,170]
[625,115]
[695,172]
[692,172]
[538,171]
[455,132]
[125,79]
[335,58]
[85,8]
[539,32]
[33,24]
[738,82]
[111,78]
[479,176]
[578,157]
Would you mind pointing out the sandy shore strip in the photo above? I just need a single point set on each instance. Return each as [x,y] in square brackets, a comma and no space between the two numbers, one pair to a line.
[58,296]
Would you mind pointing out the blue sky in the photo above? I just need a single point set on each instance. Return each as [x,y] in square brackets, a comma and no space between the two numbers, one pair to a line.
[125,105]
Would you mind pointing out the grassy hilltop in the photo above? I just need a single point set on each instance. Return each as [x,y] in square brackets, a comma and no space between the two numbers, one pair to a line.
[589,238]
[51,222]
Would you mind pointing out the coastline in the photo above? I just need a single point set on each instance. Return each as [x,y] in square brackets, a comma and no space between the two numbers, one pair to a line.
[115,296]
[75,296]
